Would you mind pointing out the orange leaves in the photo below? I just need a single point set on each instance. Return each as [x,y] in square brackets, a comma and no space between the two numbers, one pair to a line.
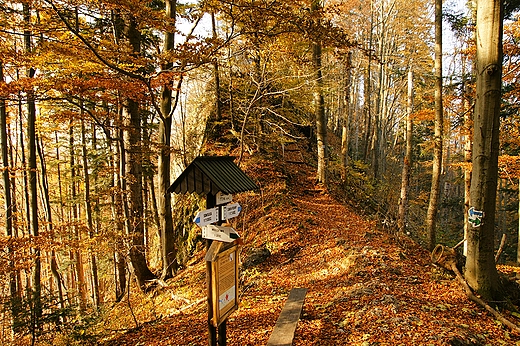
[168,78]
[509,166]
[424,115]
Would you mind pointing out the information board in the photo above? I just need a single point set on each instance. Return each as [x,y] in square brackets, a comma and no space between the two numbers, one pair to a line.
[225,283]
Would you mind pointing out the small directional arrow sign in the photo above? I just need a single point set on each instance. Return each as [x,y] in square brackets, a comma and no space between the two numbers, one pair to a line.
[230,210]
[206,217]
[221,233]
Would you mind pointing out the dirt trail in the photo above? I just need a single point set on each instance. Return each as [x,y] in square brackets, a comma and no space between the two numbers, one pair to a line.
[365,286]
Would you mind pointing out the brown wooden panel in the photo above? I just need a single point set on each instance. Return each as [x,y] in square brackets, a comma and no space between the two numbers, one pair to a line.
[283,332]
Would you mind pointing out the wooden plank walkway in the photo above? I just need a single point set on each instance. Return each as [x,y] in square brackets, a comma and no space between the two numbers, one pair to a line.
[283,332]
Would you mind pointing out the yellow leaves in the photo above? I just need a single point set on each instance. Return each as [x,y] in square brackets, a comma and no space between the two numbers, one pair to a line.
[509,166]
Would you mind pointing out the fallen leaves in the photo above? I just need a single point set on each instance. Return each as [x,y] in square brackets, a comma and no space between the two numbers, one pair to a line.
[366,287]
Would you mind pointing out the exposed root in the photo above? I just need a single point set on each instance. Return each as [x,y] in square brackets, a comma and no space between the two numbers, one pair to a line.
[446,257]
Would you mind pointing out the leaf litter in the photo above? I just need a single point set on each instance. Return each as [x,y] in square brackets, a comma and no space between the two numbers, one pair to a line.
[366,286]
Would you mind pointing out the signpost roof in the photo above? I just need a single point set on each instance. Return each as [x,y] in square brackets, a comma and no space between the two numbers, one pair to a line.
[211,174]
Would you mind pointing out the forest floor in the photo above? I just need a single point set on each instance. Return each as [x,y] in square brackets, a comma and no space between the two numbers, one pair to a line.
[366,286]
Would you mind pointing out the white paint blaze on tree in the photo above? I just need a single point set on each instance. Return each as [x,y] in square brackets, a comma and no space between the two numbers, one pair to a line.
[481,270]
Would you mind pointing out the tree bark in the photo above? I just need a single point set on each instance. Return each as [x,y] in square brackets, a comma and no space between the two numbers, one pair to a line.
[407,162]
[117,205]
[76,254]
[216,75]
[88,212]
[14,290]
[467,159]
[481,272]
[431,216]
[347,114]
[518,242]
[367,107]
[319,104]
[168,249]
[50,226]
[134,171]
[33,183]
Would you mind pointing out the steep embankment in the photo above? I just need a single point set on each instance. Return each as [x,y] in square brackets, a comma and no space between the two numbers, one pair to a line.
[365,286]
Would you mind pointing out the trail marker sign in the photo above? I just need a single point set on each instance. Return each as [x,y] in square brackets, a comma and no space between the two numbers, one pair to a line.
[475,217]
[220,233]
[230,210]
[206,217]
[223,198]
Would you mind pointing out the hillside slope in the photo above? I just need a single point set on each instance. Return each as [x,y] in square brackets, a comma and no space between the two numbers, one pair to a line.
[365,286]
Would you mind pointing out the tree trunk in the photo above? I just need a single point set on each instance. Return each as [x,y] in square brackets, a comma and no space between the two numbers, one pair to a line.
[50,226]
[467,160]
[14,290]
[319,104]
[169,253]
[77,254]
[367,108]
[407,162]
[33,185]
[133,179]
[134,171]
[117,205]
[218,98]
[481,271]
[431,216]
[518,242]
[88,214]
[347,113]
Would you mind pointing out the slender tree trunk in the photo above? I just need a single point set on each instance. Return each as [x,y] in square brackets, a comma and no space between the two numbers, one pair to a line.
[367,108]
[231,92]
[347,114]
[33,193]
[88,214]
[518,242]
[431,216]
[481,272]
[216,74]
[169,252]
[467,160]
[119,225]
[50,227]
[407,162]
[77,254]
[379,113]
[9,205]
[33,184]
[319,104]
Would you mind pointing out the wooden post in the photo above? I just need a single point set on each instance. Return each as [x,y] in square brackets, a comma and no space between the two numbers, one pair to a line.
[212,331]
[222,339]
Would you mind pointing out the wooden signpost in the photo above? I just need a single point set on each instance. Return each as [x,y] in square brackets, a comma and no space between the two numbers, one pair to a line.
[219,178]
[221,275]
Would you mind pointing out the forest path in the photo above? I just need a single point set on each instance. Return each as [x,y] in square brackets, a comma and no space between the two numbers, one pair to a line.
[365,286]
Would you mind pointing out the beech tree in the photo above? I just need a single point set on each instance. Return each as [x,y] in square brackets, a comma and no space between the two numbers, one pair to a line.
[164,158]
[319,102]
[407,160]
[481,272]
[433,205]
